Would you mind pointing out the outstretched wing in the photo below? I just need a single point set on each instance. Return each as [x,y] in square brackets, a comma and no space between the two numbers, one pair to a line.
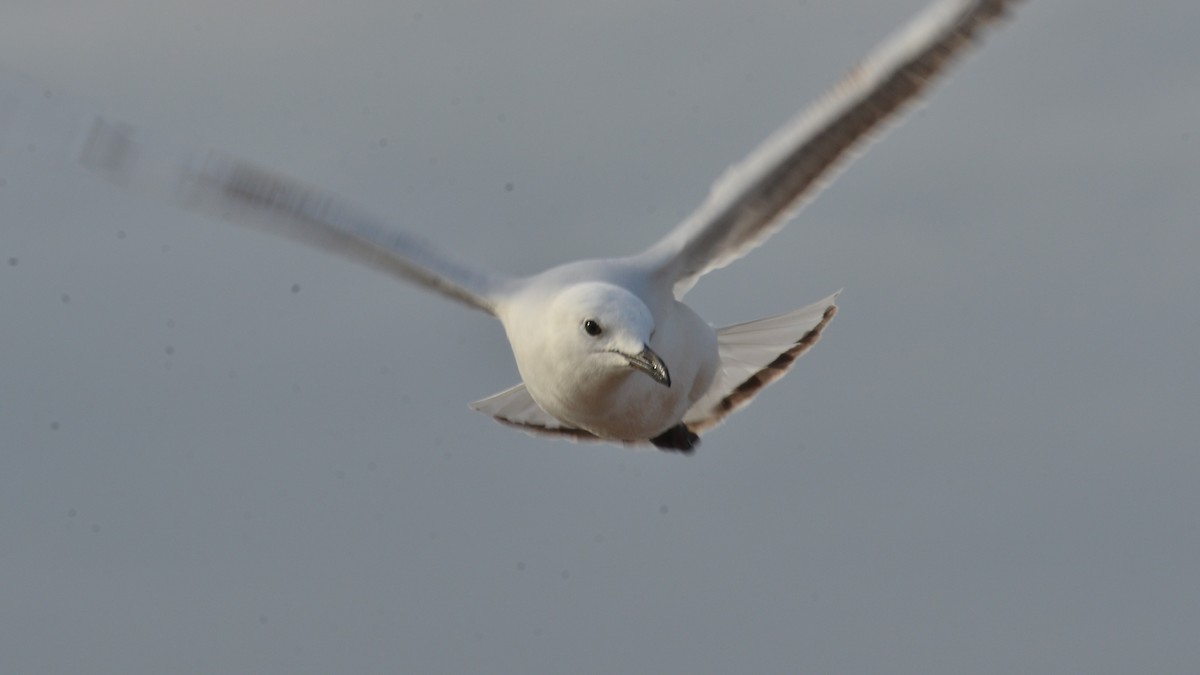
[758,195]
[222,186]
[225,187]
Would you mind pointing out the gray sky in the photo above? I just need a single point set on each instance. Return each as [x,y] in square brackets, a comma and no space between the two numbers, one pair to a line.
[226,453]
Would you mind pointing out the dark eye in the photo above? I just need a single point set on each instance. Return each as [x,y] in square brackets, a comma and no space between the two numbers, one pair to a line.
[592,328]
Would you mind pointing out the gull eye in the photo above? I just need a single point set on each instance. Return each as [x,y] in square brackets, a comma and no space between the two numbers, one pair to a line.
[592,328]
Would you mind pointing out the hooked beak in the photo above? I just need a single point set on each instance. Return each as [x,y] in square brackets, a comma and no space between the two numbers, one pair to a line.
[648,362]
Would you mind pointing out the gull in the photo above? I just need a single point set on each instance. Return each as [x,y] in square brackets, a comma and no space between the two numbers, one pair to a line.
[606,348]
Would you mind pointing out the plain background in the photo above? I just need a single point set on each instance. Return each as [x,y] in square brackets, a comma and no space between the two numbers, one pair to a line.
[225,453]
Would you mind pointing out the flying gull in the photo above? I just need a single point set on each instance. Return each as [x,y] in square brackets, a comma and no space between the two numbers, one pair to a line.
[606,348]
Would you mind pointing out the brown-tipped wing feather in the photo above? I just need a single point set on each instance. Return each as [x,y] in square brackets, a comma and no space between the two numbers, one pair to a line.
[514,407]
[755,354]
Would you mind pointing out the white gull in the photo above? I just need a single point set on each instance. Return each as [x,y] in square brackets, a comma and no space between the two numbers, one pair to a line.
[606,349]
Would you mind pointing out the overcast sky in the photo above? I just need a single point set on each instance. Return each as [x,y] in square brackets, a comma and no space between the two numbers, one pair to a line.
[226,453]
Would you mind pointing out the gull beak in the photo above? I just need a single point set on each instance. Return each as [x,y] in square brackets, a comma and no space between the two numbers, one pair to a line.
[648,362]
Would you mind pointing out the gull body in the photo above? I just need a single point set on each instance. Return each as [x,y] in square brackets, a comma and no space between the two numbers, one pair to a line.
[606,348]
[650,358]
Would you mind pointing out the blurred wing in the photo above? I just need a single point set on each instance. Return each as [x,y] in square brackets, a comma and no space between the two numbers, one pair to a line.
[35,123]
[757,196]
[755,354]
[225,187]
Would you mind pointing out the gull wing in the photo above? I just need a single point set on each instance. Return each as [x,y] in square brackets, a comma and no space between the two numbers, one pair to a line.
[219,185]
[755,354]
[516,408]
[757,196]
[36,123]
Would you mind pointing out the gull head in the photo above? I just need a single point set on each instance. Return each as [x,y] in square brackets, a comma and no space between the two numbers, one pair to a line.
[599,330]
